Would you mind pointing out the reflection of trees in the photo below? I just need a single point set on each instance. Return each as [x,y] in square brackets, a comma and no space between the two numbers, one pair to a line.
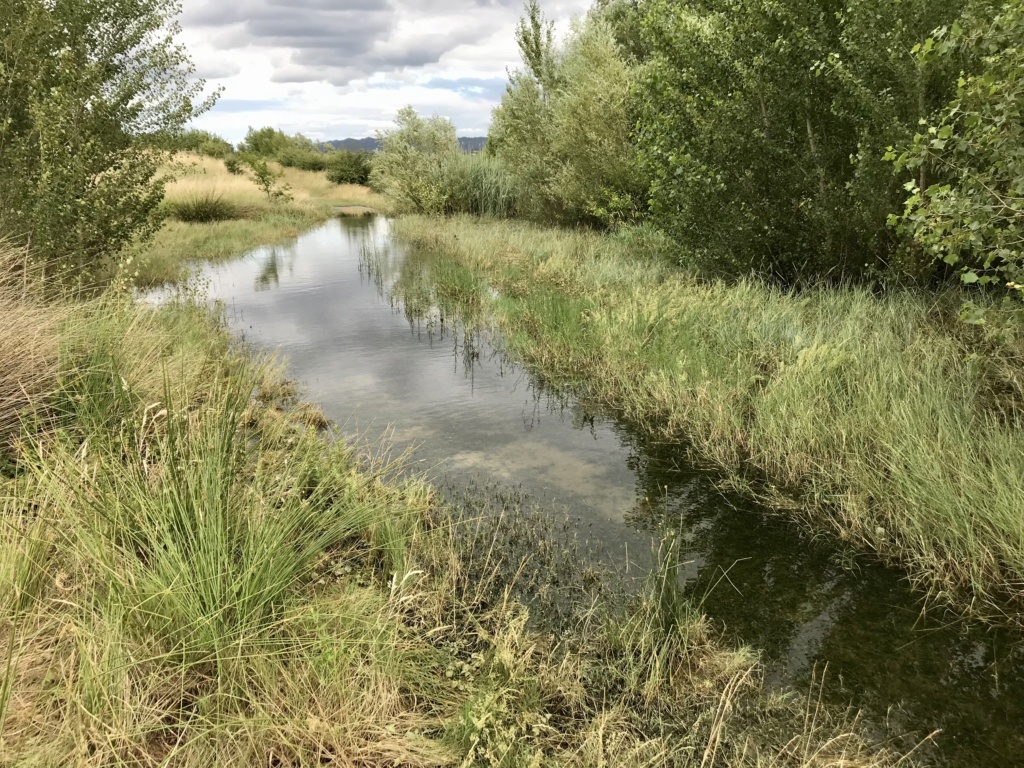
[272,263]
[797,598]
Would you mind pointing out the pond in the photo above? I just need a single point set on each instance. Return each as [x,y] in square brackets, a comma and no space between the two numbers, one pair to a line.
[469,415]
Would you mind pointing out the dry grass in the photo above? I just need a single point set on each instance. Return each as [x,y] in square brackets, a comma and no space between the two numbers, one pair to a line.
[28,342]
[260,221]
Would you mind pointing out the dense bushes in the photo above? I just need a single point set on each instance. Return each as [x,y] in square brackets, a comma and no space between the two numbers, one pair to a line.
[967,205]
[422,170]
[345,167]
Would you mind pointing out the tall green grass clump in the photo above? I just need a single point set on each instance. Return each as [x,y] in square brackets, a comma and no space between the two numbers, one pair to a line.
[204,207]
[480,185]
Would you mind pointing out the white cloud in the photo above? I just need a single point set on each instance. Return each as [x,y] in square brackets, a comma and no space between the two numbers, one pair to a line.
[337,68]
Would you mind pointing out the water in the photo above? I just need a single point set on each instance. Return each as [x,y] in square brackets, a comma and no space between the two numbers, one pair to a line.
[470,415]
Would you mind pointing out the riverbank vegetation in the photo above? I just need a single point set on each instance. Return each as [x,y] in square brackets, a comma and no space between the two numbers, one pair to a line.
[213,214]
[194,573]
[789,239]
[194,570]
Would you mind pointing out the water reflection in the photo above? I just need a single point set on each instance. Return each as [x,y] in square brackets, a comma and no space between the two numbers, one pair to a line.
[379,336]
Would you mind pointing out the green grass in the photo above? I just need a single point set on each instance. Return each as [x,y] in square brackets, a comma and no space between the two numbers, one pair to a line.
[884,419]
[192,575]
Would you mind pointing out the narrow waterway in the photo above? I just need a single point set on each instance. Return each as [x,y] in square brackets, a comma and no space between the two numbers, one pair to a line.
[471,416]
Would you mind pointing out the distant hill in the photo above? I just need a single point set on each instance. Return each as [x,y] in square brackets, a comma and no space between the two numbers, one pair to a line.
[468,144]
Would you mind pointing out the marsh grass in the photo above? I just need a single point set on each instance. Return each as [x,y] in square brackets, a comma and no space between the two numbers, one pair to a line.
[194,575]
[882,418]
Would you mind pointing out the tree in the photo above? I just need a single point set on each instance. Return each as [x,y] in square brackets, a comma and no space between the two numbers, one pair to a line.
[569,141]
[89,90]
[413,160]
[966,202]
[765,124]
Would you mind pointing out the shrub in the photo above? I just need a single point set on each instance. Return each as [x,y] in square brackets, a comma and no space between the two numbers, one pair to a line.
[303,159]
[967,206]
[410,167]
[345,167]
[234,165]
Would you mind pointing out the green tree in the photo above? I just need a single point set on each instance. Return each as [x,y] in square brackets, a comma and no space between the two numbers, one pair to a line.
[966,203]
[765,124]
[88,90]
[569,143]
[413,161]
[265,142]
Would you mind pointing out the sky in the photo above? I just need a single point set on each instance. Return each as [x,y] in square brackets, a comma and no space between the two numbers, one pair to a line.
[333,69]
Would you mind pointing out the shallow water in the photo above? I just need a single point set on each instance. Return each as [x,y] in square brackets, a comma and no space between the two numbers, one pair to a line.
[470,415]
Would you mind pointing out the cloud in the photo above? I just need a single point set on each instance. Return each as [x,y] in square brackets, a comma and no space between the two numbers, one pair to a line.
[344,40]
[334,68]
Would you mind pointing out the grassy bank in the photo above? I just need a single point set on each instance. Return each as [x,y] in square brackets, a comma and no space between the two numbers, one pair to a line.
[884,419]
[226,214]
[194,573]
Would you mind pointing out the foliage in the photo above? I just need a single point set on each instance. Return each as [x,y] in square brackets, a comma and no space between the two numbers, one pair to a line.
[86,87]
[267,179]
[410,167]
[564,127]
[346,167]
[234,165]
[972,215]
[201,143]
[303,158]
[265,142]
[764,127]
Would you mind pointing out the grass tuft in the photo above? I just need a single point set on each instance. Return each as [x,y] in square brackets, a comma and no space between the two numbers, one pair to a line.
[204,208]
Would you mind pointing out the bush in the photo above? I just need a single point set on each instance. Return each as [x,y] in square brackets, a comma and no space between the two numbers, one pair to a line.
[303,158]
[204,208]
[345,167]
[410,167]
[234,165]
[967,207]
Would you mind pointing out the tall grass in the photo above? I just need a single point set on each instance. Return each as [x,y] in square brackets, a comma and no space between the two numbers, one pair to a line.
[28,342]
[882,418]
[480,185]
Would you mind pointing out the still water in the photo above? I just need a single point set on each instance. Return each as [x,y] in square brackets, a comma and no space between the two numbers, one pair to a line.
[470,415]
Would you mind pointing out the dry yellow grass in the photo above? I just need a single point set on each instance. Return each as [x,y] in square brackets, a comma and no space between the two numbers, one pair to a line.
[262,222]
[28,341]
